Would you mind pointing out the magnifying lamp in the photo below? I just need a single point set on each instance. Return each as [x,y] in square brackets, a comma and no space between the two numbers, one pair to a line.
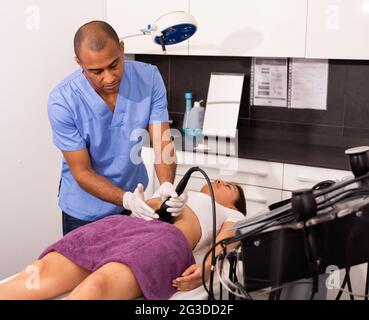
[171,28]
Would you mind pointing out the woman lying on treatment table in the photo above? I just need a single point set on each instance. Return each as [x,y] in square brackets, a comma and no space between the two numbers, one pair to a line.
[123,257]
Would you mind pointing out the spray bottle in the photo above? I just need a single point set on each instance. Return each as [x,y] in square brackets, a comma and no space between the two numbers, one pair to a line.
[196,119]
[188,97]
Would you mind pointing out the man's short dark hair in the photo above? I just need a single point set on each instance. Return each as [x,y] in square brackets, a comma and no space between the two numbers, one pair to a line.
[95,34]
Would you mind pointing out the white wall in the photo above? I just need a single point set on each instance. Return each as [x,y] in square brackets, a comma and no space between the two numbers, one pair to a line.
[36,53]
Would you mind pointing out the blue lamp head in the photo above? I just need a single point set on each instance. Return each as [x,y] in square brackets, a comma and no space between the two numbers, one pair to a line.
[176,34]
[173,28]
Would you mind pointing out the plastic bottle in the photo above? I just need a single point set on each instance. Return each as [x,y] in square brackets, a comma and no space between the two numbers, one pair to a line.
[188,97]
[196,119]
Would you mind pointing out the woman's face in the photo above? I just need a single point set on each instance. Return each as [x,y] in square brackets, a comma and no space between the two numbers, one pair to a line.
[226,193]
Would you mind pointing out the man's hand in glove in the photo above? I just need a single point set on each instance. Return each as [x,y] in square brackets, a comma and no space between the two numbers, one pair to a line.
[135,202]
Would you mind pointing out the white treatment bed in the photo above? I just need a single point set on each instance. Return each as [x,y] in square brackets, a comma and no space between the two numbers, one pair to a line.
[195,294]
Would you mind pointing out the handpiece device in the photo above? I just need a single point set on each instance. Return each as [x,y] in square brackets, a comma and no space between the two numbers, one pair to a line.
[166,216]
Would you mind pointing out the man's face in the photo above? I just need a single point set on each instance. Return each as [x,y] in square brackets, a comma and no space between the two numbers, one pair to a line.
[104,69]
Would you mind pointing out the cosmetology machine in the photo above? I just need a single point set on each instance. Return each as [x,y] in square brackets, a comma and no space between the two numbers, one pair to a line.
[318,229]
[299,238]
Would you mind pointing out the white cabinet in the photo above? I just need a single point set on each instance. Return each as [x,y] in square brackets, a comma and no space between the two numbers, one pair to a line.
[286,195]
[244,171]
[261,180]
[300,177]
[264,182]
[332,29]
[241,28]
[337,29]
[129,17]
[249,28]
[258,199]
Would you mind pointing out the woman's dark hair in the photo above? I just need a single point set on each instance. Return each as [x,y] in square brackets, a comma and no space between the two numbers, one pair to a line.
[240,203]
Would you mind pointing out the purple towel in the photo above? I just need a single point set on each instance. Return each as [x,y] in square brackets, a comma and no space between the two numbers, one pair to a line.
[156,252]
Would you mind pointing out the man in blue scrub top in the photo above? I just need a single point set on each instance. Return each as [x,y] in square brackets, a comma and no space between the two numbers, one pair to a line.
[93,113]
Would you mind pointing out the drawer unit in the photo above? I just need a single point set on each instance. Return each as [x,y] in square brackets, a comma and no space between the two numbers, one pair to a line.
[264,182]
[300,177]
[258,199]
[286,195]
[244,171]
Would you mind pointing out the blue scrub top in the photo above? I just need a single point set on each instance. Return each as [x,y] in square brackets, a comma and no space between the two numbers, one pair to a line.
[80,119]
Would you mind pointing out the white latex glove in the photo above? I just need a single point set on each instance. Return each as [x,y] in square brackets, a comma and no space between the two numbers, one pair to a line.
[175,203]
[135,202]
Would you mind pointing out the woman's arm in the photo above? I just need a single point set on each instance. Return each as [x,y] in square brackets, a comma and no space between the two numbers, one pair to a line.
[192,277]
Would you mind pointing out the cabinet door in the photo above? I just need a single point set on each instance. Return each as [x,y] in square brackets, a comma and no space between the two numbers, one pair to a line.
[249,28]
[251,172]
[300,177]
[337,29]
[286,195]
[258,199]
[129,17]
[255,172]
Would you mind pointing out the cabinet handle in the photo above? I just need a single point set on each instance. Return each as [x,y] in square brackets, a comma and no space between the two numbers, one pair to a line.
[306,179]
[262,174]
[256,173]
[262,201]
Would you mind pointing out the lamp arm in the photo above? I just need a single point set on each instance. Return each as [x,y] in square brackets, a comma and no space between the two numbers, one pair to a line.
[133,36]
[145,32]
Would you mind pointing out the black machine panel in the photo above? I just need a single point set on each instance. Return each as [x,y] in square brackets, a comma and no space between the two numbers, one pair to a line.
[276,257]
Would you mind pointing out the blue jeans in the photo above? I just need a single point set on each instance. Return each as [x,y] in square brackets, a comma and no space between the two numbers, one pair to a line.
[70,223]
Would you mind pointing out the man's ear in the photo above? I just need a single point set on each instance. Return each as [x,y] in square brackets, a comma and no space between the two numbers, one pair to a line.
[121,46]
[78,61]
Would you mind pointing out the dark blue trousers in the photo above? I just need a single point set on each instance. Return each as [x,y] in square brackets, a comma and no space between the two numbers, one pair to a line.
[70,223]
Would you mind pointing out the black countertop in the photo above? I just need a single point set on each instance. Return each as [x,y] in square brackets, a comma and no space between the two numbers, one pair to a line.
[283,151]
[294,153]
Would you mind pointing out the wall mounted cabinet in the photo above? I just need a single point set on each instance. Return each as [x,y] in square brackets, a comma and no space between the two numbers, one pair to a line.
[337,29]
[329,29]
[249,28]
[242,28]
